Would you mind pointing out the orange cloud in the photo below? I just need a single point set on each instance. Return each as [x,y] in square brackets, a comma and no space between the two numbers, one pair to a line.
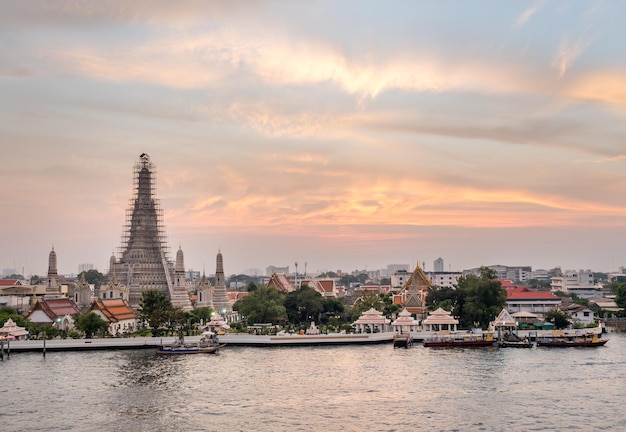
[603,86]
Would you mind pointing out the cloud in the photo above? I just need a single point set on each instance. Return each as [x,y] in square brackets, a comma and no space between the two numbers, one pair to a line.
[606,86]
[527,14]
[568,52]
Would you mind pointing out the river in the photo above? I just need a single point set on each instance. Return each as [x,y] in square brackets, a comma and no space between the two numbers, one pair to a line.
[345,388]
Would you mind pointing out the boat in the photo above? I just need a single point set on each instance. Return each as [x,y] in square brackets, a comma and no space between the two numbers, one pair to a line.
[208,344]
[512,340]
[451,340]
[402,341]
[567,341]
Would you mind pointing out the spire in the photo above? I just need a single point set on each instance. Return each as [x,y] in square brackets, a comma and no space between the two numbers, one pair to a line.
[180,261]
[52,262]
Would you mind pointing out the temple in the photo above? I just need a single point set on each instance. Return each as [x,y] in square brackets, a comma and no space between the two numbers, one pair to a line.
[220,296]
[144,264]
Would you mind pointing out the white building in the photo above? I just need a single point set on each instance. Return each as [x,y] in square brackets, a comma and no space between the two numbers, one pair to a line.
[444,279]
[582,315]
[580,283]
[399,278]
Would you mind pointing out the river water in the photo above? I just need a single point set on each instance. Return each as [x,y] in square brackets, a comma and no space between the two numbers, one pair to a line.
[346,388]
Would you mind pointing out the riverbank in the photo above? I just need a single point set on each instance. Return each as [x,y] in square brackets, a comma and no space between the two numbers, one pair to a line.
[235,339]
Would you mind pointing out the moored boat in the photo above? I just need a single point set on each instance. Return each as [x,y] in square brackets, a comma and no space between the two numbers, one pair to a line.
[585,341]
[460,340]
[402,341]
[208,344]
[512,340]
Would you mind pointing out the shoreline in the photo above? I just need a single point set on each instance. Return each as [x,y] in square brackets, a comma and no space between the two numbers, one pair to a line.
[237,339]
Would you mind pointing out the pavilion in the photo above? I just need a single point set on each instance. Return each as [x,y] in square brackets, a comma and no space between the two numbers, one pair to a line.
[405,323]
[10,330]
[440,320]
[371,321]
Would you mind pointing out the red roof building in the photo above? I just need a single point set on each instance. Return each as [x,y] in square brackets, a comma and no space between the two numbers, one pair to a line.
[520,299]
[58,312]
[118,313]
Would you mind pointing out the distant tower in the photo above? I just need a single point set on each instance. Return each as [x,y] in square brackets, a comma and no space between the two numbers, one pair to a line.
[144,263]
[82,294]
[220,297]
[205,296]
[53,287]
[180,280]
[438,265]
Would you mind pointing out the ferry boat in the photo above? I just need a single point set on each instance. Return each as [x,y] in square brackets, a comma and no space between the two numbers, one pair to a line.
[452,340]
[208,344]
[567,341]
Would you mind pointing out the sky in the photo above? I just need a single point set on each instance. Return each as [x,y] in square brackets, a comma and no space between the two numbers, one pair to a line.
[344,135]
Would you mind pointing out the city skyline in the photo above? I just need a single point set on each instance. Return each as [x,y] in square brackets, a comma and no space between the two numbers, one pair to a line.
[348,135]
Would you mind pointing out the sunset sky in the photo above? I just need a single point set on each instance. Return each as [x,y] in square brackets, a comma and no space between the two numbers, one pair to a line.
[344,134]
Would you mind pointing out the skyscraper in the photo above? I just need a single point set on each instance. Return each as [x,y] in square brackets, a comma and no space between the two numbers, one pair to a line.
[438,265]
[144,264]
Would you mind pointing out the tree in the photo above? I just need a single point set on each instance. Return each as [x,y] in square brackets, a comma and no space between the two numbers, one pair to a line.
[93,277]
[36,280]
[177,320]
[366,302]
[620,293]
[446,298]
[558,318]
[265,305]
[201,314]
[484,298]
[91,323]
[304,305]
[335,313]
[155,310]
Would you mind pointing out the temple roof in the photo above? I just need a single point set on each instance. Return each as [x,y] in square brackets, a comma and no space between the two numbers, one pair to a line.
[12,329]
[504,319]
[281,282]
[372,316]
[114,309]
[405,319]
[440,316]
[56,308]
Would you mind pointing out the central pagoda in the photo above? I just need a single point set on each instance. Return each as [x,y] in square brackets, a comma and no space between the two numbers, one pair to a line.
[144,264]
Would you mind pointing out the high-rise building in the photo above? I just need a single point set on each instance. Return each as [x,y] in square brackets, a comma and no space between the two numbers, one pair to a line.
[84,267]
[144,263]
[438,265]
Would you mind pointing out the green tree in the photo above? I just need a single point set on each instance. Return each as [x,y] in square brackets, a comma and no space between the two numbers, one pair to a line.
[94,277]
[251,287]
[155,310]
[7,312]
[446,298]
[177,320]
[265,305]
[201,314]
[484,298]
[91,323]
[334,312]
[558,318]
[366,302]
[619,288]
[36,280]
[304,305]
